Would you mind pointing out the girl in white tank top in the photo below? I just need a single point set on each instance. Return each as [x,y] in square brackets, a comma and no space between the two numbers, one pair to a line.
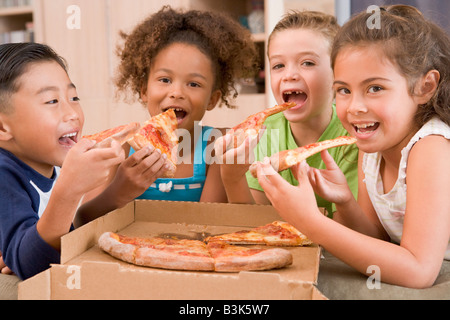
[392,85]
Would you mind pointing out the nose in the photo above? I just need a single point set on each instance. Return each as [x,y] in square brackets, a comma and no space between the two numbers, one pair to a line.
[70,111]
[357,105]
[176,91]
[292,74]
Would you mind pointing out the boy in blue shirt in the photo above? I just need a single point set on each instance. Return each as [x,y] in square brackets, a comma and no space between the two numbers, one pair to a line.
[40,129]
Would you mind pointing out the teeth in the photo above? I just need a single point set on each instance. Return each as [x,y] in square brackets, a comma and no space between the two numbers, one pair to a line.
[364,125]
[291,92]
[70,135]
[176,109]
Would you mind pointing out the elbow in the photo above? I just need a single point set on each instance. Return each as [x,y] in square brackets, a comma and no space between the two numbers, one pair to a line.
[421,278]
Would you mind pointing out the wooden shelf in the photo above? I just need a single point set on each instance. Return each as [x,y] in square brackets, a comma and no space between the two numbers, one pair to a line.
[16,11]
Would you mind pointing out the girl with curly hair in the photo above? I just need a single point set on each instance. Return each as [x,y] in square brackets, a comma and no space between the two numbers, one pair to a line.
[186,61]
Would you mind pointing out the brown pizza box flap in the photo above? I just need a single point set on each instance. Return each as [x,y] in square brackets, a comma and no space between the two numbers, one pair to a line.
[86,272]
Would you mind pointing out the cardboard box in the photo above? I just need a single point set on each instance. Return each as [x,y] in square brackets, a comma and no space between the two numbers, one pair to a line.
[86,272]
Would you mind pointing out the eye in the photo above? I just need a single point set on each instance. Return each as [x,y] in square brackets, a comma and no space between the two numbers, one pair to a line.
[375,89]
[54,101]
[278,66]
[194,85]
[164,80]
[75,99]
[343,91]
[308,64]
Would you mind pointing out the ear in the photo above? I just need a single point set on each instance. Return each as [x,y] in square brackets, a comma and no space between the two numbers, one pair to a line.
[427,86]
[5,131]
[216,95]
[143,93]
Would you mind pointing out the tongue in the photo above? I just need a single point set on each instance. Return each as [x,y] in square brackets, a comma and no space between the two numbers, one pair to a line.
[66,141]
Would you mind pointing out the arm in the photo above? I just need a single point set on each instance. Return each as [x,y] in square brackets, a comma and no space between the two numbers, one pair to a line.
[29,243]
[213,190]
[234,164]
[133,177]
[83,170]
[413,263]
[331,184]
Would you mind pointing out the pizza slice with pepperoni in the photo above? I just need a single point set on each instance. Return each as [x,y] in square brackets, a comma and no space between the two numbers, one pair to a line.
[254,123]
[160,132]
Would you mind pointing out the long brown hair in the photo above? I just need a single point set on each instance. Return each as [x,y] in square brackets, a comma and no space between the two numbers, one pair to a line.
[413,44]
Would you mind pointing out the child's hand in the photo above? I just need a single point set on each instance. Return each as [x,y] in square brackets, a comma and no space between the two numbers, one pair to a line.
[331,183]
[137,173]
[85,169]
[235,162]
[3,268]
[296,204]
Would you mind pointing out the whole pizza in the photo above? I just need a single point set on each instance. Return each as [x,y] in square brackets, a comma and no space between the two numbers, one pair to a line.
[221,253]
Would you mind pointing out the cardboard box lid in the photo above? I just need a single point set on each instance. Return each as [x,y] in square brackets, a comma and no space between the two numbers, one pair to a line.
[100,271]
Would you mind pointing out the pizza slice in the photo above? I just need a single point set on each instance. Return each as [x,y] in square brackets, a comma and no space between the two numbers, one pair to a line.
[229,258]
[160,132]
[277,233]
[158,252]
[286,159]
[254,123]
[122,134]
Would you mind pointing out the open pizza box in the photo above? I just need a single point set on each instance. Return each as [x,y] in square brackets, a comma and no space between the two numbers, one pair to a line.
[86,272]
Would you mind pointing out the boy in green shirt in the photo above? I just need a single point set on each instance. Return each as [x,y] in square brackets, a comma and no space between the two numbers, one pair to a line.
[278,136]
[300,71]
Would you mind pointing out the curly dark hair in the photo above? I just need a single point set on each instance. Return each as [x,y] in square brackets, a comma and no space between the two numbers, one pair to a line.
[218,36]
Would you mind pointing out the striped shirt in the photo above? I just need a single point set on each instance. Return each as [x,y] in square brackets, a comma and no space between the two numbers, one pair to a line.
[390,207]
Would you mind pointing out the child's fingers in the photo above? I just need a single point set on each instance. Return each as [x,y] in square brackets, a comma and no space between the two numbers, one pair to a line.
[267,176]
[84,145]
[137,157]
[220,147]
[296,169]
[328,160]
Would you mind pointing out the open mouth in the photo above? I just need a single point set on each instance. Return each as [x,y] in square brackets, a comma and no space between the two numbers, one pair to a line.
[180,113]
[299,97]
[366,128]
[69,140]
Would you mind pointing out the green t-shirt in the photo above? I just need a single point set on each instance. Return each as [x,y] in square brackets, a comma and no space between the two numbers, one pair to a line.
[278,137]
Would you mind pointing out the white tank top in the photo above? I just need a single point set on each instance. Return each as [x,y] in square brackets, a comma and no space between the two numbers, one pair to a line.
[390,207]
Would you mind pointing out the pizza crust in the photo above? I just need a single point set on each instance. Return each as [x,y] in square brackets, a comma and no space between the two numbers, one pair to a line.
[155,258]
[264,260]
[122,134]
[108,243]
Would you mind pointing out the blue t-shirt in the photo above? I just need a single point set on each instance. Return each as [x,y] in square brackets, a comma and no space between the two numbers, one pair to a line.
[24,195]
[183,189]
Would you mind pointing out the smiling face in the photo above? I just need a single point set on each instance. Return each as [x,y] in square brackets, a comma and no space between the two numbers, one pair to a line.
[300,72]
[181,78]
[373,99]
[46,118]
